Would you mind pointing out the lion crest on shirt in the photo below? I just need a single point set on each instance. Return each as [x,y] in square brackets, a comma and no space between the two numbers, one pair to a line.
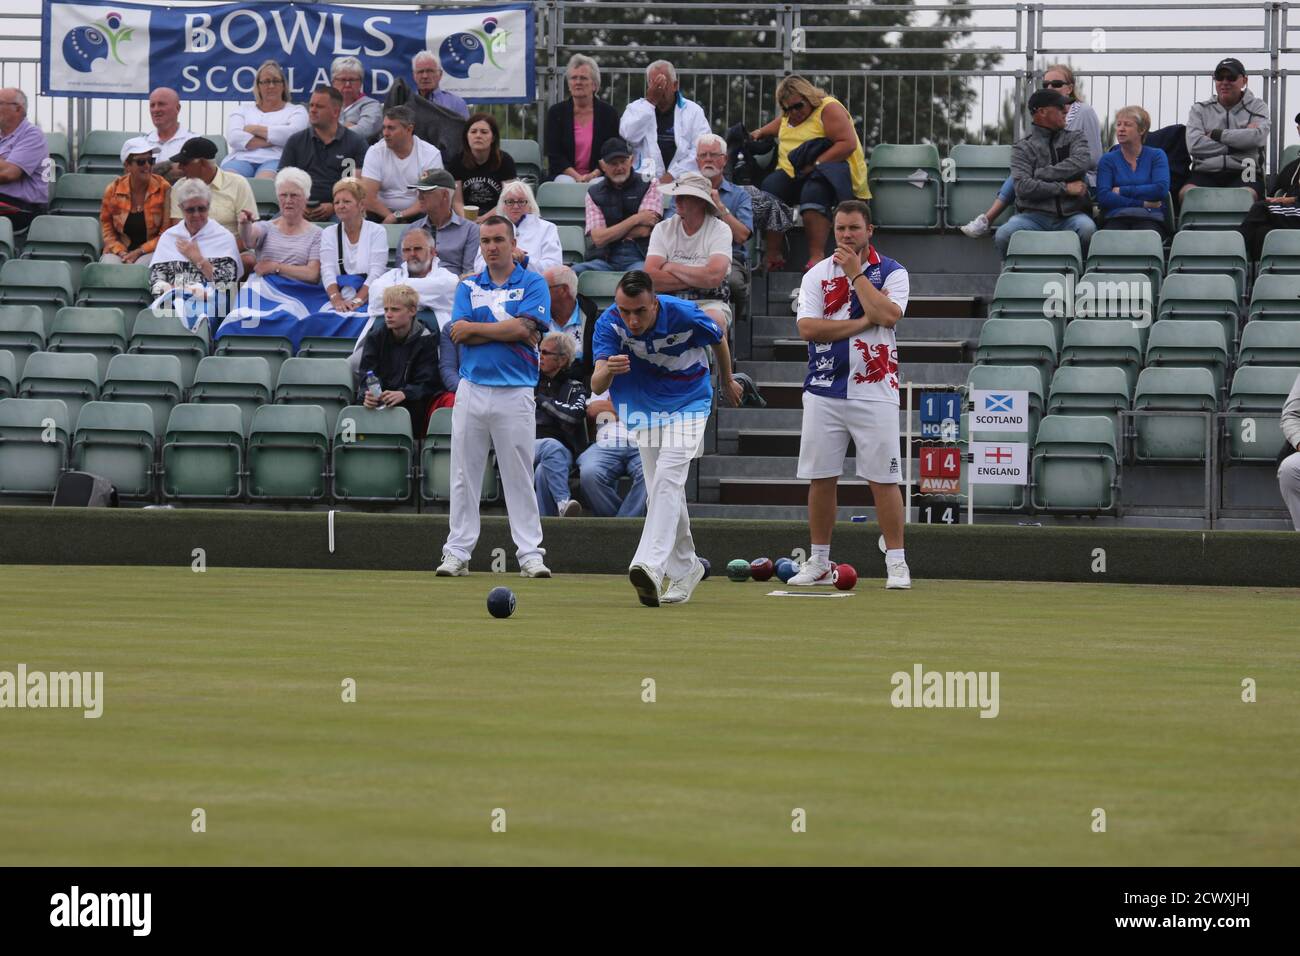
[881,367]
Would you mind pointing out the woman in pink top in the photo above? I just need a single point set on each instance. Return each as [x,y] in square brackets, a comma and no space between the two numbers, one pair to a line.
[577,128]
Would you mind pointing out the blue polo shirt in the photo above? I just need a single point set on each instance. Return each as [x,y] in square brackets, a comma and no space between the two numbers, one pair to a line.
[478,299]
[670,362]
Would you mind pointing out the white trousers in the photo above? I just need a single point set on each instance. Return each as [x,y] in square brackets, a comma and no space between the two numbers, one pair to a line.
[504,419]
[1288,479]
[667,547]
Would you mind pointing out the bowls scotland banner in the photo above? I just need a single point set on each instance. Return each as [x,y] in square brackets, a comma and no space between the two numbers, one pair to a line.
[212,52]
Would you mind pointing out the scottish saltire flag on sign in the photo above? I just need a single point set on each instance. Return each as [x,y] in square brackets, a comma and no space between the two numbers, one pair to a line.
[212,51]
[275,305]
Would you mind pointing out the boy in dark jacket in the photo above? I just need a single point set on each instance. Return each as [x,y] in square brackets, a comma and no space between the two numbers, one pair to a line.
[403,353]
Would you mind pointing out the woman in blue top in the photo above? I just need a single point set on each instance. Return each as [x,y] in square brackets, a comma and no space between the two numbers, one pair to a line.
[1132,179]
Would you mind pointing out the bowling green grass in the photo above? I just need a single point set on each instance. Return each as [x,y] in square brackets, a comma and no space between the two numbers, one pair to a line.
[223,691]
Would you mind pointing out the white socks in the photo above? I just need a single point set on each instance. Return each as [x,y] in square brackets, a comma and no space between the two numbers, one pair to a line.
[822,553]
[894,554]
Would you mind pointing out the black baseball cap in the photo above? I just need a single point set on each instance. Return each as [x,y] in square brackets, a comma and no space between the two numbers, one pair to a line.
[615,147]
[196,148]
[1230,65]
[1041,98]
[436,179]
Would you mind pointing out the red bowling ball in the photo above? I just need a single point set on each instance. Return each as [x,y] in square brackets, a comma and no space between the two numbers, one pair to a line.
[845,576]
[762,569]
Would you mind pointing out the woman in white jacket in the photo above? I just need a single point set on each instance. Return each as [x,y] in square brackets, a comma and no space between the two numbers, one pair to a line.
[257,131]
[537,242]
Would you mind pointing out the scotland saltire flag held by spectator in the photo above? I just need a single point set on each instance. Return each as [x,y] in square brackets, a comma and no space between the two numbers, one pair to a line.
[275,305]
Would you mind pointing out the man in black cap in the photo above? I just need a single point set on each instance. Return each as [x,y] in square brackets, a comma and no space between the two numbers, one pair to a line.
[1227,135]
[622,210]
[231,192]
[1048,167]
[455,237]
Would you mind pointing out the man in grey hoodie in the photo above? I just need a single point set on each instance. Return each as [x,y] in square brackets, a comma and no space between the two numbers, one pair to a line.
[1288,474]
[1048,167]
[1227,135]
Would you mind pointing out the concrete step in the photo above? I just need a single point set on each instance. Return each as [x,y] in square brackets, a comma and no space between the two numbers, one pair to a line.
[786,349]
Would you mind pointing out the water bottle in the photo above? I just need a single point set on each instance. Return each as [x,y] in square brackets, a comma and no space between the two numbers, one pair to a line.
[373,387]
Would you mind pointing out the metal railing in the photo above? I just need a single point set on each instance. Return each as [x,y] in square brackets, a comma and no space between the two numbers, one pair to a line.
[733,54]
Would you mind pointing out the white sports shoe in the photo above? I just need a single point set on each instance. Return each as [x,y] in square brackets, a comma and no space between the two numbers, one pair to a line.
[813,572]
[647,584]
[533,568]
[899,577]
[979,226]
[452,567]
[569,508]
[679,592]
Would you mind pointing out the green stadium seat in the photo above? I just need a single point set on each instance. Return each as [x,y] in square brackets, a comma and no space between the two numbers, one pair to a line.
[1202,298]
[1258,394]
[435,463]
[395,232]
[57,143]
[115,440]
[73,379]
[1177,344]
[1266,343]
[48,285]
[1019,342]
[223,147]
[1210,252]
[1082,390]
[124,285]
[326,346]
[227,380]
[375,465]
[599,286]
[288,450]
[8,374]
[573,244]
[1033,295]
[1281,253]
[1103,342]
[1168,438]
[1275,297]
[564,204]
[102,152]
[979,172]
[167,335]
[327,382]
[8,244]
[64,238]
[527,154]
[904,180]
[1075,464]
[30,462]
[81,194]
[1128,250]
[203,452]
[100,332]
[1209,207]
[1057,251]
[268,207]
[1116,296]
[274,348]
[22,332]
[154,380]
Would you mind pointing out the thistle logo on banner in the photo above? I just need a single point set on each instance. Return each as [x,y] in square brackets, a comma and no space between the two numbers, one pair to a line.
[98,48]
[999,463]
[473,48]
[999,410]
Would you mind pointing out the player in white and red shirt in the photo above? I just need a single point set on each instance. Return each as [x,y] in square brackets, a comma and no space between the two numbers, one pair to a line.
[848,307]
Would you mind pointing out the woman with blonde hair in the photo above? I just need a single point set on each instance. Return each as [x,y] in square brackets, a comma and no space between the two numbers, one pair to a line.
[537,242]
[1080,118]
[1133,179]
[819,159]
[353,247]
[257,131]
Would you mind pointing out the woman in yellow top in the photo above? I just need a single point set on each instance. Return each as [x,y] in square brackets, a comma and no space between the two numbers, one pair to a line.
[830,175]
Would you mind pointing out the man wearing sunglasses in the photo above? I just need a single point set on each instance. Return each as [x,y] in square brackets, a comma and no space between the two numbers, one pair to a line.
[24,162]
[561,425]
[1049,166]
[134,211]
[1227,134]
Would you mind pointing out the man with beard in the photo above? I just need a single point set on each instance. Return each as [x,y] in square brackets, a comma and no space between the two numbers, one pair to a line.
[735,209]
[622,210]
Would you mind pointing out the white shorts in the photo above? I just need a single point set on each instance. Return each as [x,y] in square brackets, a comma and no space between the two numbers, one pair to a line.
[716,305]
[829,423]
